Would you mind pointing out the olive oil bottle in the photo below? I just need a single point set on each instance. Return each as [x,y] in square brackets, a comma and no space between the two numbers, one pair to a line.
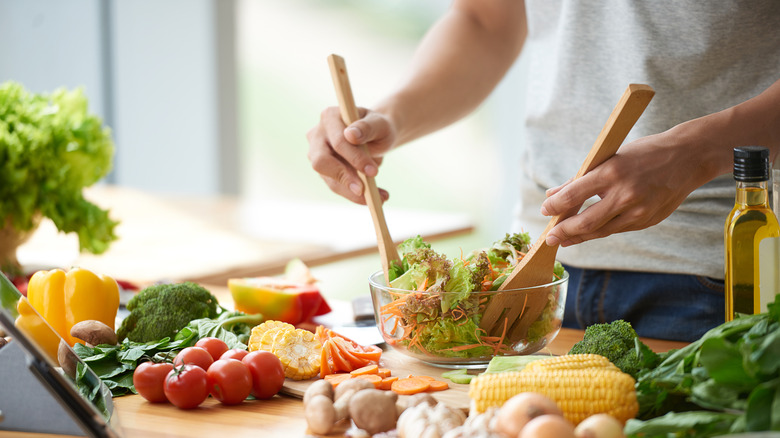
[752,237]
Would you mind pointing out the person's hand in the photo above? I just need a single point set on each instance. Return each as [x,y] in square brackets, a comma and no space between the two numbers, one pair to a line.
[336,153]
[639,187]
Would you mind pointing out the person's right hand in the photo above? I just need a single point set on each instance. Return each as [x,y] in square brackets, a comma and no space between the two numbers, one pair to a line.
[336,154]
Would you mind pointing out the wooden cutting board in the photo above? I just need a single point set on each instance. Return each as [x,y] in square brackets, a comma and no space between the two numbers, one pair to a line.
[456,396]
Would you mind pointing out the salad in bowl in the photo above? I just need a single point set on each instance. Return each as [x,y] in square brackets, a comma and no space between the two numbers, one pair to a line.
[433,305]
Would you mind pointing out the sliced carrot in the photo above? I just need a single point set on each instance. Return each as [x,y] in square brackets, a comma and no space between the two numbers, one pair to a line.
[337,378]
[384,372]
[371,352]
[410,385]
[373,378]
[438,385]
[368,369]
[348,353]
[387,382]
[325,368]
[340,363]
[428,378]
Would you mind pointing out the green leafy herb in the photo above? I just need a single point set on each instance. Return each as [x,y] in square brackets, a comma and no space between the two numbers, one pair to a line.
[727,381]
[115,364]
[50,149]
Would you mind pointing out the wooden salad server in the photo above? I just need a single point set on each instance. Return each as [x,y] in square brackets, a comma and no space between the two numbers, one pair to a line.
[512,313]
[349,114]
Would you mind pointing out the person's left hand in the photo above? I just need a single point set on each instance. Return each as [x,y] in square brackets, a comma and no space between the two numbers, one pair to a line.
[639,187]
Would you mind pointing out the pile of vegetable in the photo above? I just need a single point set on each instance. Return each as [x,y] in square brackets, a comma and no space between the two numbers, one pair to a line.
[51,147]
[438,302]
[728,381]
[618,342]
[161,310]
[373,411]
[164,319]
[210,367]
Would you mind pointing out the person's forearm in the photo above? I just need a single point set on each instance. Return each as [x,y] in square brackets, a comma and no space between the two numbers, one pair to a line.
[457,65]
[753,122]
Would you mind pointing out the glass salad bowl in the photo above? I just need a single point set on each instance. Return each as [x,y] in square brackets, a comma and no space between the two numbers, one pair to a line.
[443,328]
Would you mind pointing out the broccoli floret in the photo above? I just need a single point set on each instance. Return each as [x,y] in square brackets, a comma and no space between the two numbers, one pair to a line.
[617,341]
[160,311]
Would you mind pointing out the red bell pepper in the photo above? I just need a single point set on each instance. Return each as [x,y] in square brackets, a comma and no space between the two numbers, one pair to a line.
[277,298]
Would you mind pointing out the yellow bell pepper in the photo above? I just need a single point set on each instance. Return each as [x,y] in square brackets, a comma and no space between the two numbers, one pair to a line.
[65,299]
[34,326]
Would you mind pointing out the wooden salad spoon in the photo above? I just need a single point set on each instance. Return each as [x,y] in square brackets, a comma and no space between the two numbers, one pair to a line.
[349,114]
[512,313]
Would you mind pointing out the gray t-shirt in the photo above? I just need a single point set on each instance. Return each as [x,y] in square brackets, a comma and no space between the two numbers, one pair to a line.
[699,56]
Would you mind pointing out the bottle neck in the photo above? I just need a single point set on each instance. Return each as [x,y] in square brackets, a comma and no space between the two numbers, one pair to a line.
[752,193]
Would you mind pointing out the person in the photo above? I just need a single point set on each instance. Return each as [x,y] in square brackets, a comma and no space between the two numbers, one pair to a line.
[647,244]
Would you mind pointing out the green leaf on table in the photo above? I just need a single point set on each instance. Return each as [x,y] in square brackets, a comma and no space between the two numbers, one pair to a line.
[767,357]
[724,363]
[763,407]
[698,423]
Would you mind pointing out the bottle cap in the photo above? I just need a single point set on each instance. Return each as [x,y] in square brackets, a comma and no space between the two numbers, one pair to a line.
[751,163]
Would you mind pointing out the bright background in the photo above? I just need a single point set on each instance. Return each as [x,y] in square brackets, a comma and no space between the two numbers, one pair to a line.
[212,97]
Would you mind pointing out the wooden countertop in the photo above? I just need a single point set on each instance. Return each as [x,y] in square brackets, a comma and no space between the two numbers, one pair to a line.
[211,239]
[280,416]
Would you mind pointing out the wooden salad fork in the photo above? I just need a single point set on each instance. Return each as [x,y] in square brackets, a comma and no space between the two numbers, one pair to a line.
[349,114]
[511,314]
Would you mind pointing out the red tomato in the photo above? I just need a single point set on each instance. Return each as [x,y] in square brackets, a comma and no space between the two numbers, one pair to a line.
[214,346]
[235,353]
[267,373]
[194,355]
[149,378]
[229,381]
[186,386]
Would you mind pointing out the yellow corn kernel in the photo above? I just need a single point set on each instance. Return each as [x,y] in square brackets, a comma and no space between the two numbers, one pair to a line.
[578,392]
[570,362]
[255,338]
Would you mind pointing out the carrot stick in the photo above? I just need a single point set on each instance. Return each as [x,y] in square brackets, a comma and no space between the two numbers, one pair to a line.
[384,372]
[410,385]
[368,369]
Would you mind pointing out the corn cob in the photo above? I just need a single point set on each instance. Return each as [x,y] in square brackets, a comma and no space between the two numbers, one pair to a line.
[255,338]
[580,391]
[297,349]
[571,362]
[299,352]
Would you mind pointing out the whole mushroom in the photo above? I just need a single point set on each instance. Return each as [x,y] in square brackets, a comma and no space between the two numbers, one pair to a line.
[373,410]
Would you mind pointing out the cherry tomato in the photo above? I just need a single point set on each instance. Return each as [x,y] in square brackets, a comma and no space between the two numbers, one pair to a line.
[149,378]
[186,386]
[267,373]
[214,346]
[194,355]
[229,381]
[235,353]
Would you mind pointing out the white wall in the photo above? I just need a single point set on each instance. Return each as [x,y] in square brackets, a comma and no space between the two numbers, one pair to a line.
[160,72]
[46,44]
